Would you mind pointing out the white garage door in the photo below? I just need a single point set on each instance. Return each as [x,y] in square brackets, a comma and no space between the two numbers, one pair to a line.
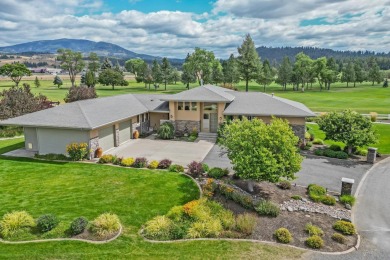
[124,131]
[106,138]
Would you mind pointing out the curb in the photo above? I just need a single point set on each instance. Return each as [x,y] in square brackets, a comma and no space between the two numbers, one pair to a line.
[65,239]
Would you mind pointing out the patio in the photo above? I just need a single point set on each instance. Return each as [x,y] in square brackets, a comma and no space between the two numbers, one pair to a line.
[178,152]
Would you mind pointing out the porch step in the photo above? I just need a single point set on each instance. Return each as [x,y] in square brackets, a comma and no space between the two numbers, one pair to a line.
[209,137]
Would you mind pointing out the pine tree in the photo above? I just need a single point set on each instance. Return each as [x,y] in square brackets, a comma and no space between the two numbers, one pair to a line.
[166,71]
[285,73]
[57,81]
[37,83]
[348,73]
[156,73]
[248,60]
[266,77]
[230,71]
[374,73]
[106,64]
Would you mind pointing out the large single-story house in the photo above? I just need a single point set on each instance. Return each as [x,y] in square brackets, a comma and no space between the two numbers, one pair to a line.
[110,121]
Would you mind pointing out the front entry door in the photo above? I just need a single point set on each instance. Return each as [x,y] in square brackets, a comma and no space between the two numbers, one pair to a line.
[206,122]
[213,123]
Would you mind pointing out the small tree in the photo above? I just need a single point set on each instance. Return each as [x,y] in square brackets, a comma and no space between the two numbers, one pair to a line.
[348,127]
[37,83]
[80,93]
[112,77]
[16,71]
[57,81]
[261,152]
[72,62]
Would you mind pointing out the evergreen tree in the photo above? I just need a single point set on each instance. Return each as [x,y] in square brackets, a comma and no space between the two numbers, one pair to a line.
[156,73]
[93,64]
[216,73]
[348,73]
[57,81]
[360,75]
[249,61]
[37,83]
[188,75]
[374,73]
[166,71]
[230,71]
[285,73]
[106,64]
[266,77]
[90,79]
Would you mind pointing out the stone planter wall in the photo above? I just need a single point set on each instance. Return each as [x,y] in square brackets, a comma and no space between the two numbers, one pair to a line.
[93,146]
[299,131]
[186,126]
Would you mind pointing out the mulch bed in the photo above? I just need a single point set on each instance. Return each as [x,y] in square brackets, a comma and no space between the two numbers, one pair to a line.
[295,222]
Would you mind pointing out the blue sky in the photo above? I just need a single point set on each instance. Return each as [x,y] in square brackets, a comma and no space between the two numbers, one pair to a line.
[174,28]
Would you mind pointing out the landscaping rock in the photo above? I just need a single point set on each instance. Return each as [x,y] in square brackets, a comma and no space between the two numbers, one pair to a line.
[290,209]
[347,206]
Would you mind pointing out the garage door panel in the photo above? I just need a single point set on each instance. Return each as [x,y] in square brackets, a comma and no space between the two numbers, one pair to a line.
[106,138]
[124,131]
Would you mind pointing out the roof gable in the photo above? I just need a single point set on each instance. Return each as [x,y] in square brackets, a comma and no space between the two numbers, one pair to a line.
[207,93]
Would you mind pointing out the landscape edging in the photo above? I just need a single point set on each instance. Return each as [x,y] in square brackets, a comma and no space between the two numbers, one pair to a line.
[65,239]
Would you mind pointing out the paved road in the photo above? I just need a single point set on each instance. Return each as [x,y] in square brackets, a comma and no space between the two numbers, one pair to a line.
[372,217]
[326,172]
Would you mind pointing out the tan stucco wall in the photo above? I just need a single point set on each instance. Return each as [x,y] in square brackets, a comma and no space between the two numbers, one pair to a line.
[155,119]
[183,114]
[221,108]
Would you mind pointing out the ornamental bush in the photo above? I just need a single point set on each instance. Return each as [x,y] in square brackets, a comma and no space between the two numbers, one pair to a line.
[285,185]
[78,226]
[105,225]
[166,131]
[107,158]
[164,164]
[316,192]
[345,227]
[160,228]
[315,242]
[176,213]
[328,200]
[77,151]
[140,162]
[217,173]
[296,197]
[195,168]
[313,230]
[12,222]
[127,162]
[267,208]
[246,223]
[339,238]
[335,147]
[283,235]
[348,199]
[47,222]
[207,228]
[176,168]
[206,168]
[318,141]
[153,165]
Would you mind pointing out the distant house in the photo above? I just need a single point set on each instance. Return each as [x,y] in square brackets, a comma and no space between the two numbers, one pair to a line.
[110,121]
[38,70]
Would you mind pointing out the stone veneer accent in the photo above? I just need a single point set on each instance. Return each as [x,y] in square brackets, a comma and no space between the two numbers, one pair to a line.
[185,126]
[93,146]
[116,143]
[299,131]
[141,127]
[371,155]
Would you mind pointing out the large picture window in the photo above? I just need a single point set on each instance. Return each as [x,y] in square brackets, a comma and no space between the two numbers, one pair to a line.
[179,105]
[187,106]
[194,106]
[210,107]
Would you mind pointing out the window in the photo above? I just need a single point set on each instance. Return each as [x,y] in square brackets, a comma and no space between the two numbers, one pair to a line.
[250,117]
[194,106]
[187,106]
[179,105]
[146,116]
[206,116]
[210,107]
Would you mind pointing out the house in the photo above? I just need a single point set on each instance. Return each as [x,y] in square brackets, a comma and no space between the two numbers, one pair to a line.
[110,121]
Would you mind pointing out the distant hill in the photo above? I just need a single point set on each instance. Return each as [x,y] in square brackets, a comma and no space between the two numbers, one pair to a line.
[278,53]
[83,46]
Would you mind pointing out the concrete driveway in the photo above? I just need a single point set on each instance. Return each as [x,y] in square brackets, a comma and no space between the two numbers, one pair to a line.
[177,151]
[326,172]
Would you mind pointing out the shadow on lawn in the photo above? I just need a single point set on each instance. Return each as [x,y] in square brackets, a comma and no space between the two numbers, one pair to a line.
[30,160]
[184,189]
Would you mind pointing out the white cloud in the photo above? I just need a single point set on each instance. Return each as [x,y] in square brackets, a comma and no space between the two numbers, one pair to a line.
[174,34]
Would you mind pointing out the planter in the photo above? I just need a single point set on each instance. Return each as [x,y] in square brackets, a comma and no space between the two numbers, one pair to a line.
[136,134]
[98,152]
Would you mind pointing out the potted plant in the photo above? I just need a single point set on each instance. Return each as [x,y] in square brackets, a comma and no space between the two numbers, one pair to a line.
[136,134]
[99,152]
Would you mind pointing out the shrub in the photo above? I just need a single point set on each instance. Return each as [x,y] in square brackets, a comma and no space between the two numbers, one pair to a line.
[127,162]
[217,173]
[207,228]
[285,185]
[315,242]
[328,200]
[373,116]
[77,151]
[105,225]
[316,192]
[80,93]
[283,235]
[153,165]
[318,141]
[209,188]
[335,147]
[267,208]
[107,158]
[205,167]
[47,222]
[361,152]
[341,155]
[166,131]
[140,162]
[296,197]
[160,228]
[313,230]
[307,135]
[319,152]
[339,238]
[176,213]
[246,223]
[78,226]
[345,227]
[195,168]
[227,219]
[189,207]
[117,160]
[176,168]
[14,221]
[348,199]
[230,193]
[164,164]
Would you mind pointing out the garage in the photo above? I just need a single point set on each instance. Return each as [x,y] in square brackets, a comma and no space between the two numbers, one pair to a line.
[106,138]
[124,131]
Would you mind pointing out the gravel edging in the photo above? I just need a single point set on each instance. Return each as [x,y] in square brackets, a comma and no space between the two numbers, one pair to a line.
[65,239]
[247,240]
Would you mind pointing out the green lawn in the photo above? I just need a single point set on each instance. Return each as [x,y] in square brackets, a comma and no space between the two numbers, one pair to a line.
[70,190]
[383,131]
[364,98]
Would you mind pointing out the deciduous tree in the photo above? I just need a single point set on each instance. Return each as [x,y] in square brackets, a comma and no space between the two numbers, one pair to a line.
[57,81]
[262,152]
[348,127]
[348,73]
[135,66]
[72,62]
[200,62]
[16,71]
[80,93]
[112,77]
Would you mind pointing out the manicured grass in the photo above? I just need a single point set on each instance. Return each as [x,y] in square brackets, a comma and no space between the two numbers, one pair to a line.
[69,190]
[364,98]
[383,131]
[11,144]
